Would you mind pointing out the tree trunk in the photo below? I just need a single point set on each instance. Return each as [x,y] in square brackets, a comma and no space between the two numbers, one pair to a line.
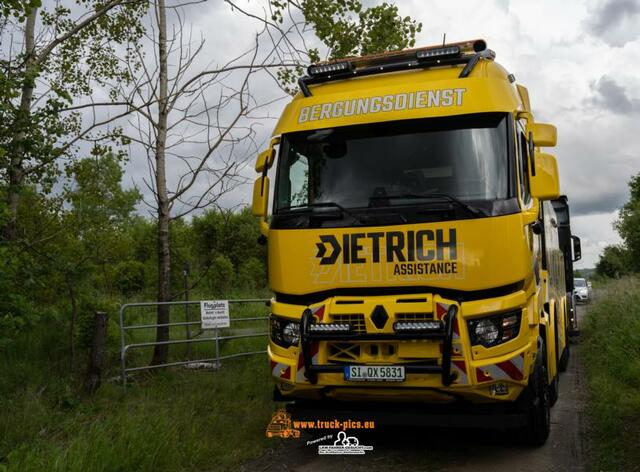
[16,171]
[160,353]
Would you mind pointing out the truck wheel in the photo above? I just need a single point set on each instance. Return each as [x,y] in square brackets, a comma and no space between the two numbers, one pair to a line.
[554,390]
[537,407]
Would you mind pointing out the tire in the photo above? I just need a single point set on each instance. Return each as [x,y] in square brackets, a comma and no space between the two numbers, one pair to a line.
[554,386]
[537,405]
[554,390]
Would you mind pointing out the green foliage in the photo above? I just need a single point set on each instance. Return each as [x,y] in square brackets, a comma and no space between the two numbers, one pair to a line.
[628,224]
[610,348]
[252,275]
[347,28]
[38,124]
[221,274]
[16,309]
[614,262]
[227,242]
[129,277]
[18,8]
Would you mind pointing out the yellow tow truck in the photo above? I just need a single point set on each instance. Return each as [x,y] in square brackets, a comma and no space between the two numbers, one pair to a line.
[413,244]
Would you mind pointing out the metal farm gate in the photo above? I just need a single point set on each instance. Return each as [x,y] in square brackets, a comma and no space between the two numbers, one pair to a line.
[138,329]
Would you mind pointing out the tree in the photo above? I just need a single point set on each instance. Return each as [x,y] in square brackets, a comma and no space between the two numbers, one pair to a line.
[196,126]
[613,262]
[71,240]
[196,129]
[67,50]
[344,28]
[628,225]
[18,8]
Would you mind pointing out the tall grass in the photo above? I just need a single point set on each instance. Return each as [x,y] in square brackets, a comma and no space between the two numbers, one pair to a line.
[611,354]
[171,420]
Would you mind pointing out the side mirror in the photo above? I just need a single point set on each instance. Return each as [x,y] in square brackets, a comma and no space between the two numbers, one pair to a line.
[545,184]
[265,160]
[260,196]
[544,135]
[577,249]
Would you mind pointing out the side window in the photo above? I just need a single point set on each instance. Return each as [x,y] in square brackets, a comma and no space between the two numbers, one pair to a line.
[523,165]
[298,178]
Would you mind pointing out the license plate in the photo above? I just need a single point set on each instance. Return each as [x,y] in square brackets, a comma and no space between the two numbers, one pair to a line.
[377,373]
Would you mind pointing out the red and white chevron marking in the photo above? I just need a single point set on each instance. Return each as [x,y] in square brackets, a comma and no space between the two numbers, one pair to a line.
[283,371]
[459,366]
[318,311]
[280,370]
[513,369]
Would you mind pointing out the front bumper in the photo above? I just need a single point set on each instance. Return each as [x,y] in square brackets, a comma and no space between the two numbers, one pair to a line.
[445,333]
[440,365]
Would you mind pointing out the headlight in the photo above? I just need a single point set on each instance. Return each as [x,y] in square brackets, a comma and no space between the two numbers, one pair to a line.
[284,332]
[496,329]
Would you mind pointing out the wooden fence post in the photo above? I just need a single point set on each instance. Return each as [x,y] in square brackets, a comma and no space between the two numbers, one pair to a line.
[97,352]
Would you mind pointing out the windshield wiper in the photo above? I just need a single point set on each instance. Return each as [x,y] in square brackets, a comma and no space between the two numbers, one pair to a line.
[470,209]
[311,206]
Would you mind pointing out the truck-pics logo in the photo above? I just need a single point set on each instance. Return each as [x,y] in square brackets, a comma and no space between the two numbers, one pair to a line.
[280,426]
[421,252]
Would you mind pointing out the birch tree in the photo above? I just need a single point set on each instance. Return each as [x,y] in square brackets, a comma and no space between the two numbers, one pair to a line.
[196,127]
[53,60]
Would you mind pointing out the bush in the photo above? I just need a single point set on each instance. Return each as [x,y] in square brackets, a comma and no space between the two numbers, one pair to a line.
[252,274]
[221,275]
[129,277]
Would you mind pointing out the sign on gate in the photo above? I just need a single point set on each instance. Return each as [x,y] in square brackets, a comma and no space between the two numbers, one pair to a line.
[214,314]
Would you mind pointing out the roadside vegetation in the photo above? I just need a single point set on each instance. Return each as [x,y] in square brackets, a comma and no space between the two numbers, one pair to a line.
[610,349]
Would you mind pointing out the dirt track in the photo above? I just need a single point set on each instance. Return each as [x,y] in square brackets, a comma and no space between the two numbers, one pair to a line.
[453,450]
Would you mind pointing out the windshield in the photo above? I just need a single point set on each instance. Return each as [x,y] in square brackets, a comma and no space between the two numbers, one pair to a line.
[456,160]
[579,282]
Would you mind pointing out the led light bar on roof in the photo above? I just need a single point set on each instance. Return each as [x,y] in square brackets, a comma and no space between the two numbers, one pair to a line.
[449,51]
[464,52]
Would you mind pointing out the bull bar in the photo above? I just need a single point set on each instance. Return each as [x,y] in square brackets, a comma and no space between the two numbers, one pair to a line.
[445,333]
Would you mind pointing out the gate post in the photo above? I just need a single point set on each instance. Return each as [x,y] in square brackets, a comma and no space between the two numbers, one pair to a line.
[96,354]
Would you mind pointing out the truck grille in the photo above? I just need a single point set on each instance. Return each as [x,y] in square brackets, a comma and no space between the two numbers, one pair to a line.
[343,352]
[414,316]
[356,320]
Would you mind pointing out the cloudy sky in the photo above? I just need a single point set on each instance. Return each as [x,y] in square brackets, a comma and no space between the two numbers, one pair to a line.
[579,60]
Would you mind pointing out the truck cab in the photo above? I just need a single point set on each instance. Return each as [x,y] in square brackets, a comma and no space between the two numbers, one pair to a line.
[413,249]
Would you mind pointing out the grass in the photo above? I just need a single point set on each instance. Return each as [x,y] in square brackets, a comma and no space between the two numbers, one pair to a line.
[611,355]
[172,420]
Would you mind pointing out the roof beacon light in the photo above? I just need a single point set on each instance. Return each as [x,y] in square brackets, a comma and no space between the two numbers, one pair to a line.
[328,68]
[449,51]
